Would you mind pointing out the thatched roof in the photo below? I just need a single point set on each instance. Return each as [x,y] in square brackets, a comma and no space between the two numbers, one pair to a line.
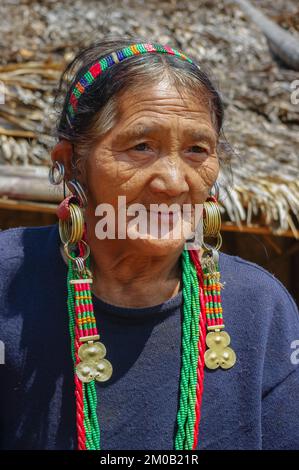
[261,122]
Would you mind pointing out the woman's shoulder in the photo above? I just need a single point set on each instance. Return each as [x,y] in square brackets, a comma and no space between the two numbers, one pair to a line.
[15,242]
[254,281]
[262,317]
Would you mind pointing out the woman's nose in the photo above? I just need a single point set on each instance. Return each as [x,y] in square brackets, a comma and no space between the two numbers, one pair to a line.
[169,178]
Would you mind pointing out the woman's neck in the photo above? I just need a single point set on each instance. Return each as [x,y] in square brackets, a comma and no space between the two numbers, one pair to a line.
[130,279]
[126,277]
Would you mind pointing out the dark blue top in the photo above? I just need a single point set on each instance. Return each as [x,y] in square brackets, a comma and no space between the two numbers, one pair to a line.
[253,405]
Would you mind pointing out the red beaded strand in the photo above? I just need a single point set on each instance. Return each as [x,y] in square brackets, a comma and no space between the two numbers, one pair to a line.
[201,346]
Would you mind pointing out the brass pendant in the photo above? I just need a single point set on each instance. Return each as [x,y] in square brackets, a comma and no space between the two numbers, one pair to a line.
[85,371]
[103,370]
[219,354]
[93,351]
[93,365]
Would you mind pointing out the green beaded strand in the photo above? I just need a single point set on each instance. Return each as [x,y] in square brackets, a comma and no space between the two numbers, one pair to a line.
[194,359]
[190,334]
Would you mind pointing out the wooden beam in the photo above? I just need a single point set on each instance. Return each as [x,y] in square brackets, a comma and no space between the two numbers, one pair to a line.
[257,230]
[25,171]
[29,189]
[19,205]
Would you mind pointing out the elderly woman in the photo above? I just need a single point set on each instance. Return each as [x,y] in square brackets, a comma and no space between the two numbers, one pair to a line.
[116,337]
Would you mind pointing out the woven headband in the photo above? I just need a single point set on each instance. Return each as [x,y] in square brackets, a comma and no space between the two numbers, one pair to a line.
[103,64]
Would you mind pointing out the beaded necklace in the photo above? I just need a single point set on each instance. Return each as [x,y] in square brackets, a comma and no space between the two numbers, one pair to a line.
[201,310]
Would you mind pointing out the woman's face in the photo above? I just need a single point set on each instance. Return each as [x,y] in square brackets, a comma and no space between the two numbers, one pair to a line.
[162,150]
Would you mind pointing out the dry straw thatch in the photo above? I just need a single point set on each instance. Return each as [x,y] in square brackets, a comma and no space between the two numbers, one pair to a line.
[262,124]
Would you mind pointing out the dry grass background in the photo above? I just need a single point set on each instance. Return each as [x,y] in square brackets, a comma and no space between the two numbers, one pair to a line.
[37,39]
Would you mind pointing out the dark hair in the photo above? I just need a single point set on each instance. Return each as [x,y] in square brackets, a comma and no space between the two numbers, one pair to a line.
[97,108]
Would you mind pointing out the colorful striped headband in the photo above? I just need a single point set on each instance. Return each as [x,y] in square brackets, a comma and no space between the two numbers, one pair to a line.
[103,64]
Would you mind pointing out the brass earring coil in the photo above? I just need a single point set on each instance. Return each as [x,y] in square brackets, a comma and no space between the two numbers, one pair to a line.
[78,224]
[212,224]
[212,219]
[71,230]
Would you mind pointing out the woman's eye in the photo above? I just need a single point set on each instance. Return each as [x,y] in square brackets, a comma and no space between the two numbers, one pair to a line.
[141,146]
[197,149]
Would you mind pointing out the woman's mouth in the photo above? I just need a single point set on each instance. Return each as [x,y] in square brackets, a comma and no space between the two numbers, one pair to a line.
[165,215]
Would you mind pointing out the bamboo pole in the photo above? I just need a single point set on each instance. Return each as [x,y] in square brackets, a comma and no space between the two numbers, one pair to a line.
[30,189]
[27,206]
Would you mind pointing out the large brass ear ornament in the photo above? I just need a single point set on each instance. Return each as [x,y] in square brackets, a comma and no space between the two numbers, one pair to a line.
[70,210]
[212,222]
[71,221]
[71,229]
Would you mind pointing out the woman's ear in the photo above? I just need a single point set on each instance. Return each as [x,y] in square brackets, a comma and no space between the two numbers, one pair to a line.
[62,152]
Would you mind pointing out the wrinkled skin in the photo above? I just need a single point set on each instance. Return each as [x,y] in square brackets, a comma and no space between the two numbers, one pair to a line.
[165,164]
